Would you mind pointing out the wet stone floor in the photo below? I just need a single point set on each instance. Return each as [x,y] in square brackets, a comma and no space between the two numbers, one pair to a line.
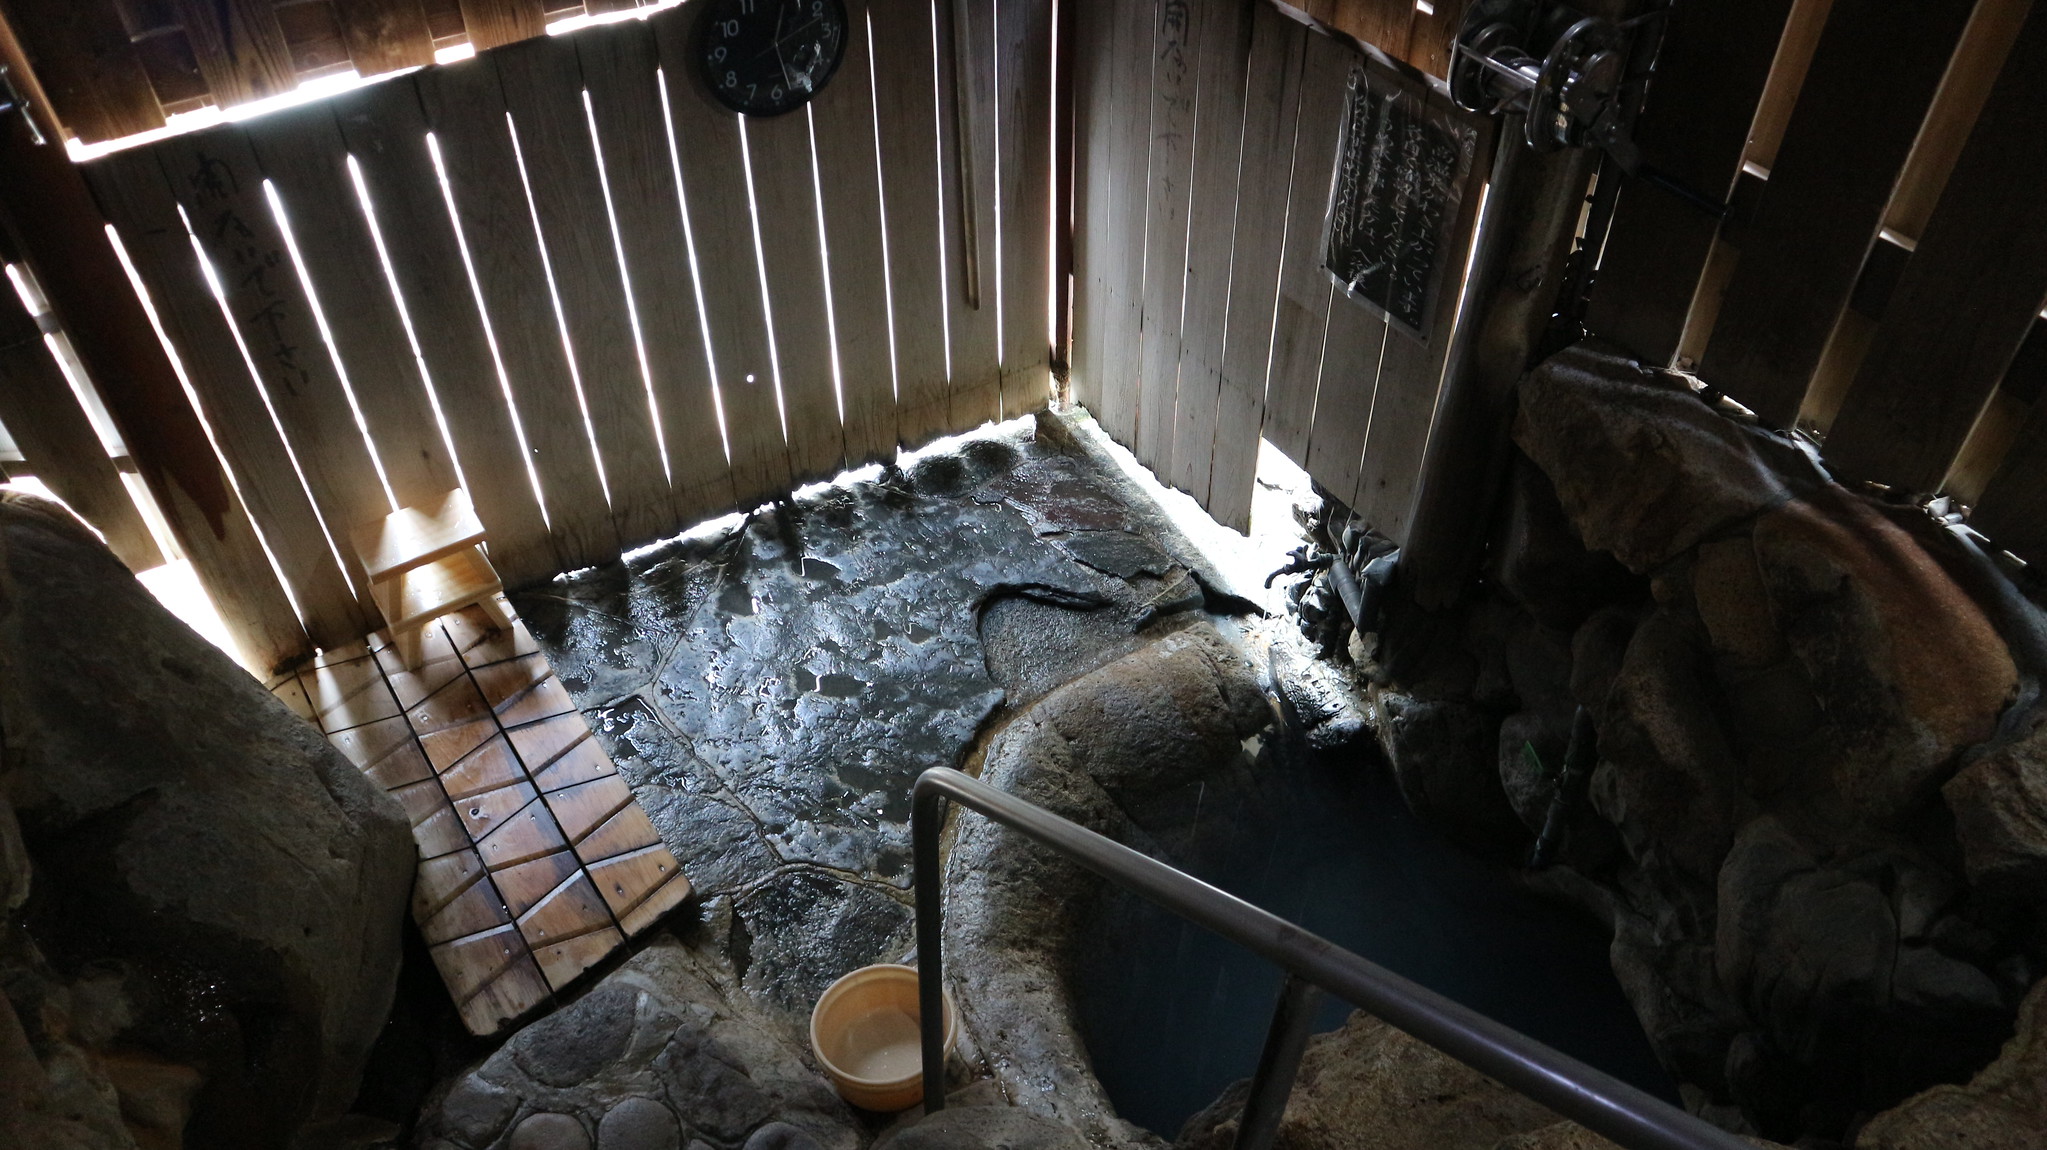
[772,688]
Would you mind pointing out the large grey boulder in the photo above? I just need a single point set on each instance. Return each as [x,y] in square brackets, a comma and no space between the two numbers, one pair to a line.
[1817,824]
[1444,758]
[1905,665]
[2000,808]
[233,887]
[1091,751]
[1369,1086]
[984,1128]
[2002,1108]
[1571,1136]
[666,1051]
[1538,557]
[1668,780]
[1642,467]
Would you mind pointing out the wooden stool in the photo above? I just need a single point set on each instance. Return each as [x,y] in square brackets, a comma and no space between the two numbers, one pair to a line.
[424,562]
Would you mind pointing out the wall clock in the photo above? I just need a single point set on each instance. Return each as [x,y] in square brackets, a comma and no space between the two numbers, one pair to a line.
[767,57]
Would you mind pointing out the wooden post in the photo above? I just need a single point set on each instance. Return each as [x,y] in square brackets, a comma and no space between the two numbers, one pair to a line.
[1062,181]
[1531,213]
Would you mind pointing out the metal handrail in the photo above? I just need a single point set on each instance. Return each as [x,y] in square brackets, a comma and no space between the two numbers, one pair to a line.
[1574,1090]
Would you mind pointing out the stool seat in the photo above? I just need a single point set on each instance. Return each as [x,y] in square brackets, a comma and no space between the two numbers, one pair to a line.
[425,561]
[419,595]
[411,536]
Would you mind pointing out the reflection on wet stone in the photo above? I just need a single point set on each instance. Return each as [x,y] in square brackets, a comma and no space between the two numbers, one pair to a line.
[646,752]
[718,844]
[1117,553]
[805,929]
[808,664]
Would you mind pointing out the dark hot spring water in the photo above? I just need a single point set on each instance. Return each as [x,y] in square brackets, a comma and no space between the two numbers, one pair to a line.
[1173,1014]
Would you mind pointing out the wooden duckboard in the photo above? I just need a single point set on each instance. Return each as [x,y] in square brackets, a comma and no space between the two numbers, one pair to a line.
[535,861]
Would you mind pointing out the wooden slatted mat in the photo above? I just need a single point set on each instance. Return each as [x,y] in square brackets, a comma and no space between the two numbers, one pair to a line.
[535,860]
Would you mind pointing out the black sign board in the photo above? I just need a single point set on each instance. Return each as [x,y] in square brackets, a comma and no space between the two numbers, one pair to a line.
[1400,175]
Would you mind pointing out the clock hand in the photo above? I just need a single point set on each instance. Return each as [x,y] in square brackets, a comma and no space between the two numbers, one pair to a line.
[801,29]
[780,63]
[781,39]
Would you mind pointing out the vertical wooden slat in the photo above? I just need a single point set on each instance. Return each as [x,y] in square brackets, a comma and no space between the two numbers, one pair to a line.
[1967,297]
[785,203]
[1411,371]
[1271,105]
[134,190]
[1175,47]
[301,151]
[385,35]
[1211,227]
[844,128]
[1711,73]
[48,220]
[1843,147]
[466,110]
[239,47]
[495,22]
[1984,451]
[714,190]
[1094,99]
[1379,383]
[88,68]
[2013,511]
[1024,56]
[1979,59]
[1795,50]
[1119,270]
[543,87]
[1304,288]
[907,118]
[1356,341]
[385,129]
[58,441]
[967,166]
[216,177]
[1066,154]
[619,71]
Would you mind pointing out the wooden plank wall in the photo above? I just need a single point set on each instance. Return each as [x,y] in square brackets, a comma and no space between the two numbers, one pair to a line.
[1883,266]
[488,273]
[1205,146]
[58,442]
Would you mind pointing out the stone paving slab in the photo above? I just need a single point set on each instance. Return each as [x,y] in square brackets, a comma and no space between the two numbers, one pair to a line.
[771,691]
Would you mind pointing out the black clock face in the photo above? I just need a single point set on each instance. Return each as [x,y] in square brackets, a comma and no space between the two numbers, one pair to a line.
[766,57]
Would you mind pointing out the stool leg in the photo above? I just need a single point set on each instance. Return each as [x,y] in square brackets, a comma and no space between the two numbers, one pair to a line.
[496,611]
[409,642]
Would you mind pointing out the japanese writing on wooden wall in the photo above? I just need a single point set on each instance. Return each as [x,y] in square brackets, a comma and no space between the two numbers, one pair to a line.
[1401,173]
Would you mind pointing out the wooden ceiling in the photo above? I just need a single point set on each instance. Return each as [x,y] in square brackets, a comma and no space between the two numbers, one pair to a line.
[111,68]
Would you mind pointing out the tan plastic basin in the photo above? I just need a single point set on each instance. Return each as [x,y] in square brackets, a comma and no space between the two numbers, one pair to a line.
[864,1032]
